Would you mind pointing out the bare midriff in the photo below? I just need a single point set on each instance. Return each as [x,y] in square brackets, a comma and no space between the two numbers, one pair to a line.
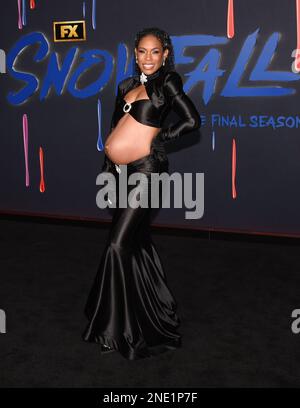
[130,140]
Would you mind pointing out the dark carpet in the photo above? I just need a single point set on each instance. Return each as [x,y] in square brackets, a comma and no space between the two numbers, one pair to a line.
[235,300]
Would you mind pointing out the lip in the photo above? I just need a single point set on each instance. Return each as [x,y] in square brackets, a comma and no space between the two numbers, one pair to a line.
[150,66]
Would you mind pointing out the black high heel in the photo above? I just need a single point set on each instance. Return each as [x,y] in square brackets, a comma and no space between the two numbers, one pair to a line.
[106,349]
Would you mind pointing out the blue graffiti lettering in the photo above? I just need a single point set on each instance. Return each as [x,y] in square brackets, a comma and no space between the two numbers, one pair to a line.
[207,71]
[31,80]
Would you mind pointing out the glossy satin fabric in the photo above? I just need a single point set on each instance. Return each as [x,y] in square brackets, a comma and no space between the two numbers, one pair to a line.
[144,112]
[130,306]
[165,92]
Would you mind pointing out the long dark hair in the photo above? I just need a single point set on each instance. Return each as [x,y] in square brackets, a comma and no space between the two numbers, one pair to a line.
[166,43]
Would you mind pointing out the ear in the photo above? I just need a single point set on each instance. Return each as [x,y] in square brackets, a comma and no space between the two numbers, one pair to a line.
[166,53]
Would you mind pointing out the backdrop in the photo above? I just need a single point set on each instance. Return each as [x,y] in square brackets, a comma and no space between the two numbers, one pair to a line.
[237,63]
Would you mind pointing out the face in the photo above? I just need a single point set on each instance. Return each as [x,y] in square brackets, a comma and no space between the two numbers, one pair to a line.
[150,54]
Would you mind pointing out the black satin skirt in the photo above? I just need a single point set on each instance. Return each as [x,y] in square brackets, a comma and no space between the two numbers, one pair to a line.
[130,306]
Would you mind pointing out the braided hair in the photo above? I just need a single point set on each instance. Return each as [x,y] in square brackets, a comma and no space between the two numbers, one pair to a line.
[166,43]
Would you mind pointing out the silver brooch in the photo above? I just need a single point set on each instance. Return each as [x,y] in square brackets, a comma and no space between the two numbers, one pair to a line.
[143,78]
[127,107]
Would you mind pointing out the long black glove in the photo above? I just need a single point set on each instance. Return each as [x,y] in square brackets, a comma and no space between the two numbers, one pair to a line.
[181,104]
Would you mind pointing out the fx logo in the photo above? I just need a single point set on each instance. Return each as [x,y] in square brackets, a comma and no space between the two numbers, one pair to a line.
[2,321]
[69,31]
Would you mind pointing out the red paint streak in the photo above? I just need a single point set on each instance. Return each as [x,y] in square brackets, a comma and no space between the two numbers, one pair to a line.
[32,4]
[20,26]
[230,19]
[297,56]
[233,171]
[42,182]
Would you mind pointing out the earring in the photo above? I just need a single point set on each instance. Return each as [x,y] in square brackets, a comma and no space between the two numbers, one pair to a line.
[164,61]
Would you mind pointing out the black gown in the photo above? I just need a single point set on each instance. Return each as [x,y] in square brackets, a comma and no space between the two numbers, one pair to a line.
[130,306]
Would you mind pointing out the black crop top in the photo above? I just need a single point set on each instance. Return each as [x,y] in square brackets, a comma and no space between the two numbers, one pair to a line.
[165,92]
[143,111]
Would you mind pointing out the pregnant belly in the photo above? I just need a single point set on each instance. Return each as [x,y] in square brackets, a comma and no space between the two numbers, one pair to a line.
[130,140]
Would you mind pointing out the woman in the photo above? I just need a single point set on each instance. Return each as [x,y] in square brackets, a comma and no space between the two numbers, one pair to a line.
[130,307]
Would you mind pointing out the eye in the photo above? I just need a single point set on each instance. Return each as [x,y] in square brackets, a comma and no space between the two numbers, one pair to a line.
[154,52]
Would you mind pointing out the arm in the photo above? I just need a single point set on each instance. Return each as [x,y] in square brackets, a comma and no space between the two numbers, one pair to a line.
[181,104]
[107,163]
[117,102]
